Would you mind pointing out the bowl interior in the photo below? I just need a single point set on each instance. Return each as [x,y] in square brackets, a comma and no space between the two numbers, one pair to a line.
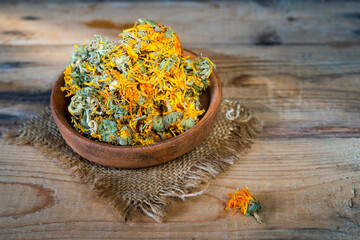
[62,102]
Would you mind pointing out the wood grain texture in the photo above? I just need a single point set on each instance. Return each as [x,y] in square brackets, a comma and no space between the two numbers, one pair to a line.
[295,64]
[197,24]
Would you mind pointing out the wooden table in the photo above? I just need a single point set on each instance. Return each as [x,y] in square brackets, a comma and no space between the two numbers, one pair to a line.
[295,64]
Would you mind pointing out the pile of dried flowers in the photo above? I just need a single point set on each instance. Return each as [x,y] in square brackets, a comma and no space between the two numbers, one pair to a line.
[140,91]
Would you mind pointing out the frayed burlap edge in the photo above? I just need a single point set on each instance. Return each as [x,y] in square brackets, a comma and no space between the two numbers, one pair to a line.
[242,131]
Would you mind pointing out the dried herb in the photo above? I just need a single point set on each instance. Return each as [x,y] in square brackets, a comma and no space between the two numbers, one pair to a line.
[245,202]
[138,91]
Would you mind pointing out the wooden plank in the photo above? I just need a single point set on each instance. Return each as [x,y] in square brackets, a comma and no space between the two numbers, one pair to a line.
[38,66]
[306,187]
[316,95]
[198,24]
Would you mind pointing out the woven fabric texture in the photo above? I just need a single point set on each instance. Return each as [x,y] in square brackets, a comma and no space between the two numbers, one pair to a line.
[150,190]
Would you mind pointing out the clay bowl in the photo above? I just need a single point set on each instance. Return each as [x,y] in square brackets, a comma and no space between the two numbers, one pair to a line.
[136,156]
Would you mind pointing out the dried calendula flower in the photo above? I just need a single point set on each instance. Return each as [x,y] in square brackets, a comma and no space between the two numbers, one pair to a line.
[137,92]
[245,202]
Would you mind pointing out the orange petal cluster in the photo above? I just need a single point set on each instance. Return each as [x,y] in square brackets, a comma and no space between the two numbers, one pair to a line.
[240,200]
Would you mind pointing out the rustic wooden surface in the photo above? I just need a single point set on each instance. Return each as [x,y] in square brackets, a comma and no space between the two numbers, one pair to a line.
[295,64]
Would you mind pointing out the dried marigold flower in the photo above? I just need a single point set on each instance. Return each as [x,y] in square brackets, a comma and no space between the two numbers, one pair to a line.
[245,202]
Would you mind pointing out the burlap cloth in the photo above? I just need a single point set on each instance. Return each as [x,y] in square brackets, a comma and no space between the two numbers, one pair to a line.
[149,189]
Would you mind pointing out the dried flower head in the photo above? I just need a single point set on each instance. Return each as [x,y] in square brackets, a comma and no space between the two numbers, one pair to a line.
[245,202]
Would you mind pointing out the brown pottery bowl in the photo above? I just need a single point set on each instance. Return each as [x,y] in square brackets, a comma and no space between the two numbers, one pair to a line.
[136,156]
